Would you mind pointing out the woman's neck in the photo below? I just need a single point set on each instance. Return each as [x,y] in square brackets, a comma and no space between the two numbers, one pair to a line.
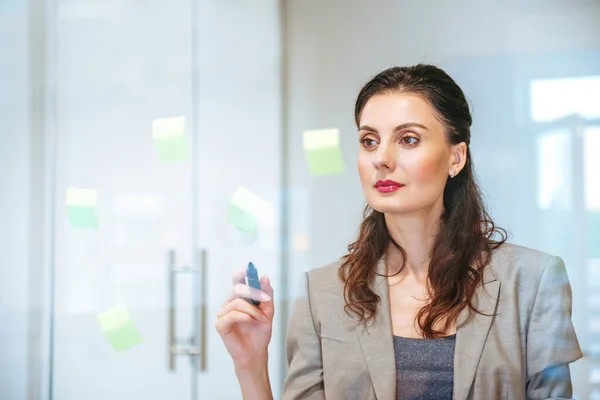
[416,235]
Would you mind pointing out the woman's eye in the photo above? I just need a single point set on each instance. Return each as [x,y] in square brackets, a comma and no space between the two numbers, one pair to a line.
[409,140]
[367,142]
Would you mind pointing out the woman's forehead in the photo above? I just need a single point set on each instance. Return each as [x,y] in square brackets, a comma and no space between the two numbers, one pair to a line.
[384,111]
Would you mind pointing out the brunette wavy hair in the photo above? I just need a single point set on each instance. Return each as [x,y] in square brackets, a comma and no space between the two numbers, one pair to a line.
[464,243]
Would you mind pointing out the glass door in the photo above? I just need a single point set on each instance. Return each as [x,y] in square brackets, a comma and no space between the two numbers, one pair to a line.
[126,280]
[167,137]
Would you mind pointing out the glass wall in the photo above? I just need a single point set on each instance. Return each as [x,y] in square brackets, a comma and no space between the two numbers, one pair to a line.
[14,212]
[530,71]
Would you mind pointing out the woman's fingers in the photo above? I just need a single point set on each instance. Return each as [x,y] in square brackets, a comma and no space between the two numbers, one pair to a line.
[265,285]
[242,291]
[225,324]
[239,286]
[241,305]
[267,307]
[247,292]
[239,276]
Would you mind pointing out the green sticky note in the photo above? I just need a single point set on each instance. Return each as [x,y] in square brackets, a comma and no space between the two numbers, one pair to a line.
[245,209]
[81,208]
[326,161]
[247,237]
[171,141]
[242,219]
[119,329]
[173,149]
[83,217]
[323,153]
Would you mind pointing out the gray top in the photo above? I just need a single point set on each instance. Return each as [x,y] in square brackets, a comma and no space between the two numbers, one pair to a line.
[424,367]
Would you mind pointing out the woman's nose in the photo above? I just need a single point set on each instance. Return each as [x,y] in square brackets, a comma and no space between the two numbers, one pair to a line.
[385,157]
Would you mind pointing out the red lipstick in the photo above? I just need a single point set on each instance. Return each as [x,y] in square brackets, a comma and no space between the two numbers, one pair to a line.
[387,186]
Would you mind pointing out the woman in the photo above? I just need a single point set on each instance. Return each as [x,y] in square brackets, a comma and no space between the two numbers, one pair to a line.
[426,304]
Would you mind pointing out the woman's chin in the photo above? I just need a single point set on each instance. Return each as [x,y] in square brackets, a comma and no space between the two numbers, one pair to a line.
[387,208]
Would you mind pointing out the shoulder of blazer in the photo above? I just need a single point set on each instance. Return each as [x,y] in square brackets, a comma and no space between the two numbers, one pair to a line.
[326,290]
[325,279]
[516,263]
[327,303]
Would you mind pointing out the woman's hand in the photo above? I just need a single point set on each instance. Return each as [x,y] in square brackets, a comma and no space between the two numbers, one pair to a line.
[245,328]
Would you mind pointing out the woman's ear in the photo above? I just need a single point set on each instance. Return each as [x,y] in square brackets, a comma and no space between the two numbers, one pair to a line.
[458,158]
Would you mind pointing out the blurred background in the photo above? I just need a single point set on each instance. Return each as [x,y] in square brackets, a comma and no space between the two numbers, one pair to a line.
[148,148]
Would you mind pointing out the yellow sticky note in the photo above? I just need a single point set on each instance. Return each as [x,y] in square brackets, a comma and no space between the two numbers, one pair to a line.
[118,328]
[81,208]
[82,197]
[166,128]
[171,141]
[322,150]
[245,209]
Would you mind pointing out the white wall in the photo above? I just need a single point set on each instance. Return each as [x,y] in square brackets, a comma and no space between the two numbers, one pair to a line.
[492,51]
[14,200]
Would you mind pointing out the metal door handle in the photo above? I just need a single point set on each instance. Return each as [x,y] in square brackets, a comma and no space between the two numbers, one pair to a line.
[171,310]
[191,346]
[201,305]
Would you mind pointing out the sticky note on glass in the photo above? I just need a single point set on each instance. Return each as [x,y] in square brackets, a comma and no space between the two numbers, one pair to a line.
[170,139]
[323,153]
[245,209]
[82,208]
[119,329]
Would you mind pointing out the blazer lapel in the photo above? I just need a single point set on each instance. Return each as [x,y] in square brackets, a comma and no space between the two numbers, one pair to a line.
[377,343]
[472,332]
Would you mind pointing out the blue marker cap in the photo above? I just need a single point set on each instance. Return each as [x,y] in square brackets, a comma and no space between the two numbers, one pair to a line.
[252,279]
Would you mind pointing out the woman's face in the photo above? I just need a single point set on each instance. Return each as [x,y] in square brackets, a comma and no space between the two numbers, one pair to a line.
[404,158]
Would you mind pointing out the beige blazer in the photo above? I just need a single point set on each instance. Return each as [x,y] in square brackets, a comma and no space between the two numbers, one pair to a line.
[523,352]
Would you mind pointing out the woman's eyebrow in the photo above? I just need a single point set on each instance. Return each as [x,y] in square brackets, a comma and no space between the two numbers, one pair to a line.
[398,128]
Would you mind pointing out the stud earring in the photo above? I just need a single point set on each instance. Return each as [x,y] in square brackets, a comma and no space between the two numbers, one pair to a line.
[453,173]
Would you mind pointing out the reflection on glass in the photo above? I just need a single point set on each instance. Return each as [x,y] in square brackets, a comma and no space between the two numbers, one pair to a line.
[554,163]
[552,99]
[569,197]
[591,146]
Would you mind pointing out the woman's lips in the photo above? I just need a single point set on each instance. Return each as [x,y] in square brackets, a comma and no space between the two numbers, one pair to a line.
[387,186]
[388,189]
